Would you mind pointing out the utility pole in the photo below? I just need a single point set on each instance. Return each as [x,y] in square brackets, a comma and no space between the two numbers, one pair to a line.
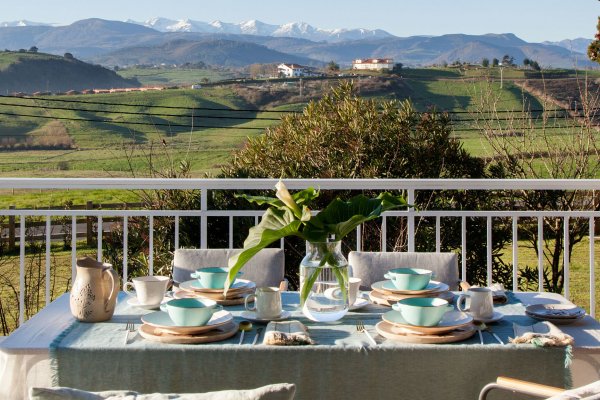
[501,79]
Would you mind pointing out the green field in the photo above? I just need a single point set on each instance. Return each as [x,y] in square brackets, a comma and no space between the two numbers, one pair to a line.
[140,131]
[174,76]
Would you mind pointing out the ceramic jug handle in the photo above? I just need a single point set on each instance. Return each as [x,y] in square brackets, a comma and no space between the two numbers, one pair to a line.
[113,293]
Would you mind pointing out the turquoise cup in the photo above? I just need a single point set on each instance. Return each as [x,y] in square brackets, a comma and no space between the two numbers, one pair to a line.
[212,277]
[409,278]
[190,311]
[423,311]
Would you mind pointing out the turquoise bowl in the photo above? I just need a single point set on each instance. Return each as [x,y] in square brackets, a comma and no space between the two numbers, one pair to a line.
[409,278]
[423,311]
[190,311]
[212,277]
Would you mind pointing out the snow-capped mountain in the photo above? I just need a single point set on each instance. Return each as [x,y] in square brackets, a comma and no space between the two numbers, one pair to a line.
[255,27]
[22,22]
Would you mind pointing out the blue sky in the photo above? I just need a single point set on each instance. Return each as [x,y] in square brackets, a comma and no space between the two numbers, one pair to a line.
[532,20]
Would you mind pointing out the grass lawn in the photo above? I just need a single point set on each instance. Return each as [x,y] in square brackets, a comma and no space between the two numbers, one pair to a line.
[174,76]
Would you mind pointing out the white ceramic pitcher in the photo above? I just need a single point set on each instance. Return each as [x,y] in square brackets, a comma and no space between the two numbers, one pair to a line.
[94,293]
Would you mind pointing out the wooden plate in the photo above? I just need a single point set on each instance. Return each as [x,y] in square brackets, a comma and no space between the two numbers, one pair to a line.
[386,287]
[389,299]
[239,286]
[157,335]
[215,296]
[392,332]
[161,320]
[451,321]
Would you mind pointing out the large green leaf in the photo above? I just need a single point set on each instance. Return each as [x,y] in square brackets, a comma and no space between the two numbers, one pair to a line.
[340,218]
[274,225]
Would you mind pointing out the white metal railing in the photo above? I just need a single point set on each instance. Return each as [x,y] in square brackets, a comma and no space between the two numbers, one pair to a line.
[205,185]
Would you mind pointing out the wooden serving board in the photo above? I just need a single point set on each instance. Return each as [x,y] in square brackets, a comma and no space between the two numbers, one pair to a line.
[392,332]
[216,335]
[389,299]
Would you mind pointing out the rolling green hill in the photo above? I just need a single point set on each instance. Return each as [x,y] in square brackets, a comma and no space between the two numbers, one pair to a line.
[38,72]
[123,134]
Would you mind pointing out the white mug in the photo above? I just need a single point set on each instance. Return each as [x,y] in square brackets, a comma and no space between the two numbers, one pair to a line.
[267,303]
[481,304]
[149,290]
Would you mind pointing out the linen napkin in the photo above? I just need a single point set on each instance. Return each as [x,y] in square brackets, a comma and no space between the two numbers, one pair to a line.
[287,333]
[541,334]
[499,293]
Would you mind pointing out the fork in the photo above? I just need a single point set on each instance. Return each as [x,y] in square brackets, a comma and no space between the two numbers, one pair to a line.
[129,327]
[360,327]
[258,332]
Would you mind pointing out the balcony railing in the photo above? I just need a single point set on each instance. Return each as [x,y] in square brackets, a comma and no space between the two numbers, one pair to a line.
[409,186]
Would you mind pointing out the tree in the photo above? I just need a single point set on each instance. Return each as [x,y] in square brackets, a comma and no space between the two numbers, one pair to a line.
[69,56]
[594,47]
[508,60]
[526,62]
[535,66]
[332,66]
[346,136]
[495,62]
[397,68]
[525,150]
[33,49]
[485,62]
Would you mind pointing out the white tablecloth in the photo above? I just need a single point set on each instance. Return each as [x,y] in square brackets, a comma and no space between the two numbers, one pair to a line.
[24,355]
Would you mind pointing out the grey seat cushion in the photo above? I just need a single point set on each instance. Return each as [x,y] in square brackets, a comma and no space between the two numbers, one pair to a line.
[267,268]
[280,391]
[371,266]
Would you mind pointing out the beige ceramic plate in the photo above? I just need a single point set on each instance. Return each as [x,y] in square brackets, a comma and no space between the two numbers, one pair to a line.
[452,320]
[161,320]
[239,285]
[389,299]
[396,333]
[224,302]
[157,335]
[387,287]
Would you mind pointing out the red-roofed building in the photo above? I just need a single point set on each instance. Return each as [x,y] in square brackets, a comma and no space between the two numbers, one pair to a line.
[373,64]
[293,70]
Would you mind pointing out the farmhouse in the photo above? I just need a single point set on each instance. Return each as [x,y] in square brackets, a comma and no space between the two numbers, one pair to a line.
[293,70]
[376,64]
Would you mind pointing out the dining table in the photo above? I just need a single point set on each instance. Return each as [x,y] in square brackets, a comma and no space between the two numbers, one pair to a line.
[54,349]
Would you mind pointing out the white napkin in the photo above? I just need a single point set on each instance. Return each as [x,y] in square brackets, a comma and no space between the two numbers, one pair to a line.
[287,333]
[541,334]
[499,293]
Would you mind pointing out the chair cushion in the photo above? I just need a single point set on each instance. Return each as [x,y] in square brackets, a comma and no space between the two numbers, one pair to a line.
[280,391]
[371,266]
[267,268]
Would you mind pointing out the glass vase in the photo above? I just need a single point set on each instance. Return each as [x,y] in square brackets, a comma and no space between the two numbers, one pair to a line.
[324,282]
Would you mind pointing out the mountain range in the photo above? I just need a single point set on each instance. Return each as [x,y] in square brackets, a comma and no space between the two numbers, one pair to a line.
[162,40]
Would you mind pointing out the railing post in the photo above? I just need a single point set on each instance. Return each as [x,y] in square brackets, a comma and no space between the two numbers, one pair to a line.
[11,230]
[89,232]
[411,220]
[203,218]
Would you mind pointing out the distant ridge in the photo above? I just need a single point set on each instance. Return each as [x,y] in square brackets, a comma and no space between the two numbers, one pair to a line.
[108,43]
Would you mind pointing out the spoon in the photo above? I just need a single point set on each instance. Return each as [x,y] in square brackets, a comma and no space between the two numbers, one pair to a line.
[245,326]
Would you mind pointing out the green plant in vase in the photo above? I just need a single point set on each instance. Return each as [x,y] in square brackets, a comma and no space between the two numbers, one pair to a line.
[324,270]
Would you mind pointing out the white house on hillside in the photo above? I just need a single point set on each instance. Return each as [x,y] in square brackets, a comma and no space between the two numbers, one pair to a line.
[377,64]
[293,70]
